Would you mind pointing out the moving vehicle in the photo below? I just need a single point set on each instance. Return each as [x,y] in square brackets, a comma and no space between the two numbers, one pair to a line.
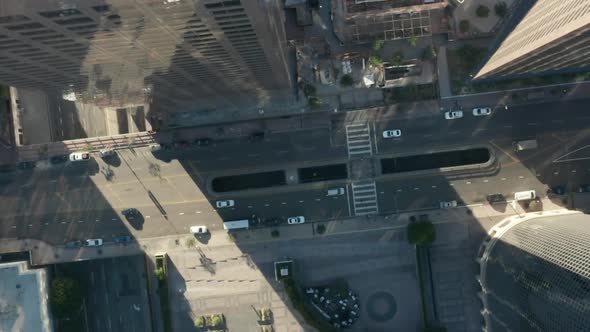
[155,147]
[335,192]
[236,224]
[295,220]
[495,198]
[59,159]
[224,204]
[123,239]
[392,133]
[584,188]
[196,230]
[257,136]
[106,152]
[525,145]
[202,141]
[448,205]
[74,244]
[94,242]
[80,156]
[525,195]
[453,115]
[482,111]
[557,190]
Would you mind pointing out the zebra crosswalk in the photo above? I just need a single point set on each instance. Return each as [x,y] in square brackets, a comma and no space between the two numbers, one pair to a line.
[364,198]
[358,140]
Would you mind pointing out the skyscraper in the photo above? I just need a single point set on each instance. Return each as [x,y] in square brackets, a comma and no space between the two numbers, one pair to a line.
[552,36]
[175,54]
[535,274]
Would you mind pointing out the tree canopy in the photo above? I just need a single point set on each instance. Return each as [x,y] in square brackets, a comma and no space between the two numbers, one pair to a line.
[421,233]
[65,295]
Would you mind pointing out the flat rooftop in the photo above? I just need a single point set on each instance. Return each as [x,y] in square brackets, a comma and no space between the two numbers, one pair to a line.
[23,298]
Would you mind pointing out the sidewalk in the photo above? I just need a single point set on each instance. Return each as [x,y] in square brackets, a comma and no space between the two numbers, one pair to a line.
[45,253]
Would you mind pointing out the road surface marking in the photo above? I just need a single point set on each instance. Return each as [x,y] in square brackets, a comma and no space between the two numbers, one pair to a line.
[114,219]
[573,170]
[318,199]
[46,223]
[480,129]
[521,177]
[399,190]
[300,201]
[452,184]
[416,188]
[253,155]
[30,225]
[468,182]
[503,179]
[249,206]
[266,204]
[282,151]
[181,214]
[14,226]
[507,126]
[283,203]
[427,135]
[63,222]
[80,221]
[486,181]
[532,123]
[433,187]
[382,192]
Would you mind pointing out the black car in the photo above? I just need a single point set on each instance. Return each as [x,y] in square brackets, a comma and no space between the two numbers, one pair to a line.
[25,165]
[584,188]
[202,142]
[59,159]
[258,136]
[130,212]
[123,239]
[496,198]
[557,190]
[74,244]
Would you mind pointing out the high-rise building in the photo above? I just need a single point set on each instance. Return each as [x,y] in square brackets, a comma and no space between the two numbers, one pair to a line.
[535,274]
[174,54]
[551,36]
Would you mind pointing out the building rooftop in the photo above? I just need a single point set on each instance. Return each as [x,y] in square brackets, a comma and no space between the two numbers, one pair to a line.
[23,298]
[356,6]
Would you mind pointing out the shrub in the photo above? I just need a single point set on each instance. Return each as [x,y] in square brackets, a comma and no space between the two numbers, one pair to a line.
[397,59]
[464,26]
[482,11]
[216,320]
[160,273]
[309,90]
[321,228]
[66,296]
[314,102]
[501,9]
[275,233]
[378,44]
[200,321]
[346,80]
[413,40]
[428,53]
[375,60]
[421,233]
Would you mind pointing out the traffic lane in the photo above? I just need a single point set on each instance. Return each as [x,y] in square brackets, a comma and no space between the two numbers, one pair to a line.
[313,204]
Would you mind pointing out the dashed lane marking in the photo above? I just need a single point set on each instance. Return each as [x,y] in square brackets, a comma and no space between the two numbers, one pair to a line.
[181,214]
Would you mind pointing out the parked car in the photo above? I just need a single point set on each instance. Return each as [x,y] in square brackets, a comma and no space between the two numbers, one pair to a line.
[392,133]
[496,198]
[224,204]
[482,111]
[202,142]
[106,152]
[74,244]
[123,239]
[257,136]
[155,147]
[557,190]
[130,213]
[80,156]
[584,188]
[448,205]
[94,242]
[59,159]
[197,230]
[451,115]
[335,192]
[295,220]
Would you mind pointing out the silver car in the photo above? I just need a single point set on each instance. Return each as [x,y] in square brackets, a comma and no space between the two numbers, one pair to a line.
[448,205]
[453,115]
[482,111]
[392,133]
[224,204]
[94,242]
[295,220]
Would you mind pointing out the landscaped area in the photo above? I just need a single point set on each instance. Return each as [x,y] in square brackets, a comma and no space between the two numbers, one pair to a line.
[162,275]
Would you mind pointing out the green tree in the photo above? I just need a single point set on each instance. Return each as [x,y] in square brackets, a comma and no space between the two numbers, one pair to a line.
[309,89]
[482,11]
[216,321]
[275,233]
[421,233]
[200,321]
[160,273]
[464,26]
[501,9]
[397,59]
[378,44]
[346,80]
[375,60]
[314,102]
[320,229]
[65,296]
[413,40]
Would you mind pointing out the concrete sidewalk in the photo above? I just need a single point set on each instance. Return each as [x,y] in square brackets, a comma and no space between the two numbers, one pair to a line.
[44,253]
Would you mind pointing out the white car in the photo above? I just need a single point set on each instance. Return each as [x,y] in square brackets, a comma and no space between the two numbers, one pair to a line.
[448,205]
[453,115]
[335,192]
[482,111]
[80,156]
[196,230]
[106,152]
[224,204]
[295,220]
[392,133]
[94,242]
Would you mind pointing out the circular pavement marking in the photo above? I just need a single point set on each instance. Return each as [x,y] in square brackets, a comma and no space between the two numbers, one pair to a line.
[381,306]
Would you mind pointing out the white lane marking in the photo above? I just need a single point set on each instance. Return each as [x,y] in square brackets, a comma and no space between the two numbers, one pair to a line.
[52,180]
[532,123]
[507,126]
[30,225]
[249,206]
[283,203]
[148,217]
[300,201]
[382,192]
[416,188]
[282,151]
[452,184]
[486,181]
[480,129]
[181,214]
[80,221]
[14,226]
[96,220]
[199,212]
[113,219]
[399,190]
[433,187]
[253,155]
[348,202]
[318,199]
[503,179]
[46,223]
[63,222]
[521,177]
[266,204]
[573,170]
[468,182]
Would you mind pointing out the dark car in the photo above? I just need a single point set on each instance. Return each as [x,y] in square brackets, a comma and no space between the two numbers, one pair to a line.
[123,239]
[496,198]
[131,212]
[59,159]
[182,144]
[74,244]
[25,165]
[203,141]
[557,190]
[584,188]
[258,136]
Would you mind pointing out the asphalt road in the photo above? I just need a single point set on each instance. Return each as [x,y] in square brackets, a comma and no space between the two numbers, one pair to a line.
[83,200]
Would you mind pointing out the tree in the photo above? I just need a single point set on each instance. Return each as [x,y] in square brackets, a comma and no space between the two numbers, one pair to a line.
[413,40]
[501,9]
[320,229]
[200,321]
[378,44]
[275,233]
[216,320]
[160,273]
[346,80]
[482,11]
[397,59]
[428,53]
[421,233]
[314,102]
[309,90]
[464,26]
[375,60]
[65,296]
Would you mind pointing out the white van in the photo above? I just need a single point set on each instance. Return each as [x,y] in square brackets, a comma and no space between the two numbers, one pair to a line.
[236,224]
[525,195]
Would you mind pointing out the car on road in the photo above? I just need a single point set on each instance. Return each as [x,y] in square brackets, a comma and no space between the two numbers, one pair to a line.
[130,213]
[295,220]
[59,159]
[257,136]
[93,242]
[392,133]
[495,198]
[80,156]
[73,244]
[202,141]
[451,115]
[123,239]
[448,204]
[557,190]
[224,204]
[107,152]
[584,188]
[335,192]
[482,111]
[197,230]
[155,147]
[181,144]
